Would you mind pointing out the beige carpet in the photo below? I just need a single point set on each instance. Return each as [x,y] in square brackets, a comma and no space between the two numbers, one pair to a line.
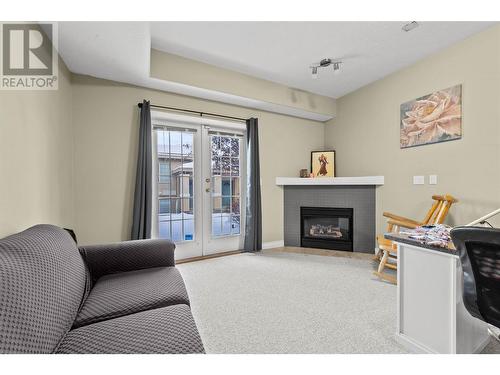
[292,303]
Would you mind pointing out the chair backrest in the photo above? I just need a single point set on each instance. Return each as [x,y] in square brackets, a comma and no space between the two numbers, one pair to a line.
[42,283]
[439,210]
[479,251]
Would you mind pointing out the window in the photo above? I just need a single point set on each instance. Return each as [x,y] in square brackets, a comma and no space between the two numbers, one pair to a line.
[225,177]
[174,153]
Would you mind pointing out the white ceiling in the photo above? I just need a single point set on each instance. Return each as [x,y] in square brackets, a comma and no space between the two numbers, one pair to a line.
[283,51]
[120,51]
[276,51]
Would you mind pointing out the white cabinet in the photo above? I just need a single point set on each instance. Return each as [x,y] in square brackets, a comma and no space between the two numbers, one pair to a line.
[431,315]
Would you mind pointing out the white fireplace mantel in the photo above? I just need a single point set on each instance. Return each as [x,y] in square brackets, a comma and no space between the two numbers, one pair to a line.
[321,181]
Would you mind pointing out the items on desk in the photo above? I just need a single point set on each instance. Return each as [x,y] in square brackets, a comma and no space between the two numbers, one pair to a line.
[387,250]
[435,235]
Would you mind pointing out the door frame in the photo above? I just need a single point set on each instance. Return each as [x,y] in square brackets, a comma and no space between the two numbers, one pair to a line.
[203,243]
[221,244]
[184,249]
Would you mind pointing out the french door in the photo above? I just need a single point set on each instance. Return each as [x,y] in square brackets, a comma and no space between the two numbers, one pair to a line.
[198,185]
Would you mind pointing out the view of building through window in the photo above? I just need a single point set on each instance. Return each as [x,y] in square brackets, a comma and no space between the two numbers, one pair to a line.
[225,177]
[175,153]
[175,184]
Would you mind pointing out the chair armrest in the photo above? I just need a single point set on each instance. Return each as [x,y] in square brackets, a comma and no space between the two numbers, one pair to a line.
[401,218]
[127,256]
[404,224]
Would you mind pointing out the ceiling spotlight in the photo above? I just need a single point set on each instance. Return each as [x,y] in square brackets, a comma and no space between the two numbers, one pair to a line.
[314,72]
[336,67]
[410,26]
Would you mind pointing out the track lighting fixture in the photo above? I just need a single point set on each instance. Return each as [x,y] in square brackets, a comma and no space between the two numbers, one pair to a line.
[410,26]
[323,64]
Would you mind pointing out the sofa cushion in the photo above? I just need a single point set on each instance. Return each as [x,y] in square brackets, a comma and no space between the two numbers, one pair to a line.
[165,330]
[42,284]
[130,292]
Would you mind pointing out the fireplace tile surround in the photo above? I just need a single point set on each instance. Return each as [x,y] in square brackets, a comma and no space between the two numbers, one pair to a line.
[361,198]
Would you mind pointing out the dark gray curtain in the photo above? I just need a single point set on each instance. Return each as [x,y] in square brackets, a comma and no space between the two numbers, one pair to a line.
[253,224]
[141,219]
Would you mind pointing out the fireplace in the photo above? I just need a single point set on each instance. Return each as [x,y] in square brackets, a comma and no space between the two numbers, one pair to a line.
[326,228]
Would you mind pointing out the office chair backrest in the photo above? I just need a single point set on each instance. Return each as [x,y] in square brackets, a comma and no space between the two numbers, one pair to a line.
[479,251]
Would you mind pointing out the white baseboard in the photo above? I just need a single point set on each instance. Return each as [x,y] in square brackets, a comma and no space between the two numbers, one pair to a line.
[273,244]
[412,345]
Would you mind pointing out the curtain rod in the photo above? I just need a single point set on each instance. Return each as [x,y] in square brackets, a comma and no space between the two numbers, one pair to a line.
[191,111]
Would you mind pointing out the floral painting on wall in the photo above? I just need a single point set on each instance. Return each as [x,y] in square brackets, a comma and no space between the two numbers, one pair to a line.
[433,118]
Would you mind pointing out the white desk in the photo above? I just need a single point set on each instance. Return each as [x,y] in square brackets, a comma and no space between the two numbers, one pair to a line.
[431,315]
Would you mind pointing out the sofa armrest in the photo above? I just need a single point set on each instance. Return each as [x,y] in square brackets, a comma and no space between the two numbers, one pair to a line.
[127,256]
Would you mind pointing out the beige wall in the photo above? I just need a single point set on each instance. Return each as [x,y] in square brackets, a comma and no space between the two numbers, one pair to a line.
[105,119]
[68,156]
[174,68]
[366,134]
[36,163]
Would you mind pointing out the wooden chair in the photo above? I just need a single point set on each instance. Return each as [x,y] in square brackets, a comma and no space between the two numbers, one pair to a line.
[387,250]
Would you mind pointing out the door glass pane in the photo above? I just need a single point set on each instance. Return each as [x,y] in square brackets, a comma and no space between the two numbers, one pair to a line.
[216,165]
[187,145]
[187,208]
[235,166]
[235,186]
[215,145]
[188,230]
[226,205]
[177,230]
[175,144]
[216,225]
[164,206]
[175,208]
[235,147]
[226,225]
[226,166]
[226,187]
[165,188]
[164,170]
[216,205]
[225,145]
[235,224]
[164,227]
[216,186]
[235,205]
[175,184]
[163,142]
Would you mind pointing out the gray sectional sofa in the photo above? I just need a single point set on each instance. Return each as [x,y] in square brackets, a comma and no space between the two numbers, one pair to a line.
[126,297]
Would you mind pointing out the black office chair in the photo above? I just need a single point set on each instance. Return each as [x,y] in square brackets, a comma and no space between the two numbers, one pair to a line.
[479,251]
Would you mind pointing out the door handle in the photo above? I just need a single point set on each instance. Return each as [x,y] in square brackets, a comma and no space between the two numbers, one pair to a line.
[207,190]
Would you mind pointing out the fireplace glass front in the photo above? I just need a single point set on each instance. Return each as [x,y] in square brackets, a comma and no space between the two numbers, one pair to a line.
[327,228]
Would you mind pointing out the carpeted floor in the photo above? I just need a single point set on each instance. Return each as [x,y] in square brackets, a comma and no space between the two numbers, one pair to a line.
[292,303]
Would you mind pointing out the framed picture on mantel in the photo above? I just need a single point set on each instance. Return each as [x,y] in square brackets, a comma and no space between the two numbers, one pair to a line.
[323,163]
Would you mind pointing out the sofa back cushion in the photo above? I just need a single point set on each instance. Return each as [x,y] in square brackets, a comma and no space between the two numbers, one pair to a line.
[42,283]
